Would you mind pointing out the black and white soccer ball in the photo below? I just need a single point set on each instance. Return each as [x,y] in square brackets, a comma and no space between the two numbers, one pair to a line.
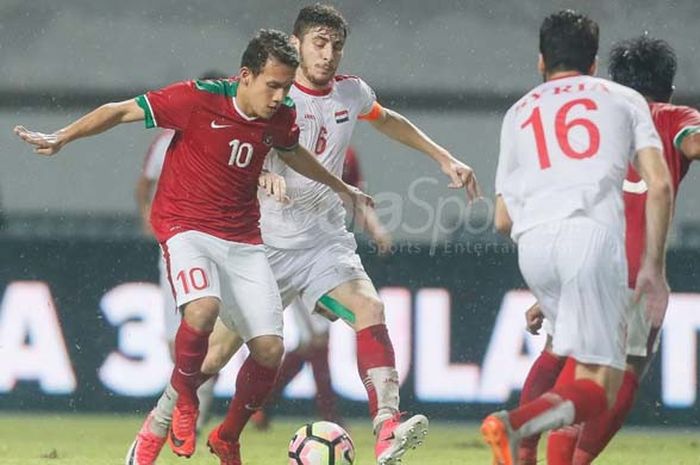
[321,443]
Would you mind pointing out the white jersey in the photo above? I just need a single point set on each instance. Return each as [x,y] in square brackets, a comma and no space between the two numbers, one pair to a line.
[565,149]
[153,163]
[326,121]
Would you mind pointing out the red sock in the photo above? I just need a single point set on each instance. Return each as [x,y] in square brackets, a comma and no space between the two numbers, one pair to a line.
[253,385]
[541,378]
[568,373]
[374,350]
[561,444]
[190,349]
[598,432]
[292,363]
[587,397]
[325,397]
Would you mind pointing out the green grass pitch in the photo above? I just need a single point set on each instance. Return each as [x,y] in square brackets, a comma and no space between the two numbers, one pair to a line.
[53,439]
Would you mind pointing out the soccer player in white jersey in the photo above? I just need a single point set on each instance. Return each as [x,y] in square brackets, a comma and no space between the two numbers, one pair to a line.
[565,149]
[309,248]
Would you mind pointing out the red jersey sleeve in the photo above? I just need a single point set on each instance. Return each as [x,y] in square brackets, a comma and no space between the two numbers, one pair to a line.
[171,106]
[686,121]
[287,135]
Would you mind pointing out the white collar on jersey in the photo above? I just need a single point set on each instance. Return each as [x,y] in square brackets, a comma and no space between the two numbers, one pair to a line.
[240,112]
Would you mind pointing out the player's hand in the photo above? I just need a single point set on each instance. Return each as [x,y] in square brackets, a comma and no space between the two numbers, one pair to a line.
[462,177]
[651,283]
[384,241]
[534,319]
[356,198]
[44,144]
[274,185]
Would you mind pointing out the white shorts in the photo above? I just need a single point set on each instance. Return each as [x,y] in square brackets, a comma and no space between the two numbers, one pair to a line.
[171,313]
[311,273]
[577,270]
[308,324]
[201,265]
[641,340]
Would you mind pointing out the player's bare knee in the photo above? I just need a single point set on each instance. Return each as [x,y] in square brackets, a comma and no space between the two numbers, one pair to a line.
[267,350]
[201,314]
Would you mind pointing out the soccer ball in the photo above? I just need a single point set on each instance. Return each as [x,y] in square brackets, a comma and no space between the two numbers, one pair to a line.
[321,443]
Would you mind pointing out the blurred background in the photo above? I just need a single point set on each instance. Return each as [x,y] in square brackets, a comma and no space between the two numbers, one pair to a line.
[78,329]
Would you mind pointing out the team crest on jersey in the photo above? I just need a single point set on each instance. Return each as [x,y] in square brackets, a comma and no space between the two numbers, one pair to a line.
[342,116]
[267,139]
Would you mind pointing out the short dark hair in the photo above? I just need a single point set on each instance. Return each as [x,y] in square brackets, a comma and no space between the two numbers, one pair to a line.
[645,64]
[269,43]
[319,15]
[568,42]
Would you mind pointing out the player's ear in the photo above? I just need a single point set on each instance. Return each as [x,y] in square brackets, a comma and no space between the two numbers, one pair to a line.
[244,75]
[594,67]
[294,40]
[540,64]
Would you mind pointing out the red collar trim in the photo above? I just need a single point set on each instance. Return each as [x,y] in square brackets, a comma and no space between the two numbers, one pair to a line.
[566,75]
[316,92]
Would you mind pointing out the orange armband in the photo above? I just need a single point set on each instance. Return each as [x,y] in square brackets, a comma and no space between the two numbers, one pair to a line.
[373,114]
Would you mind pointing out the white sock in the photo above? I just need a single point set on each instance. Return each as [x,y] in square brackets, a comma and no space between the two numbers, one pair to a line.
[556,417]
[386,385]
[163,411]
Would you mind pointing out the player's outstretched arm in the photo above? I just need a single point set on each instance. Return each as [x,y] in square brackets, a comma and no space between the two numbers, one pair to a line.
[99,120]
[651,280]
[301,161]
[691,146]
[399,128]
[143,193]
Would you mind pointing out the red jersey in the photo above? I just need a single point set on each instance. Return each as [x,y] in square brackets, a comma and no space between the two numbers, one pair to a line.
[351,169]
[209,181]
[673,123]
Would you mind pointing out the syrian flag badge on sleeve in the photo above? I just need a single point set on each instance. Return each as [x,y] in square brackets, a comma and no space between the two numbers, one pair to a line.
[342,116]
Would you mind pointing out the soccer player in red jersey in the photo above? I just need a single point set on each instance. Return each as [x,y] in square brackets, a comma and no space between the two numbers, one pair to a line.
[649,66]
[565,149]
[311,253]
[206,216]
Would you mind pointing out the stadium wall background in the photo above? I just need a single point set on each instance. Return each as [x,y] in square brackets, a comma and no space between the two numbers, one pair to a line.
[80,331]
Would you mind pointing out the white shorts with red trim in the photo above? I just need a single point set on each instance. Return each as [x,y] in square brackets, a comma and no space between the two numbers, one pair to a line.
[201,265]
[171,313]
[578,271]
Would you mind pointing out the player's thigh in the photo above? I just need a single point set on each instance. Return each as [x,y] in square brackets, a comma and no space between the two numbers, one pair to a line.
[192,262]
[337,271]
[360,298]
[223,344]
[252,305]
[591,319]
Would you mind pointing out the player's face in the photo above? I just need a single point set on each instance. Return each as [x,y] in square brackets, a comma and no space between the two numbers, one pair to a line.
[320,49]
[265,92]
